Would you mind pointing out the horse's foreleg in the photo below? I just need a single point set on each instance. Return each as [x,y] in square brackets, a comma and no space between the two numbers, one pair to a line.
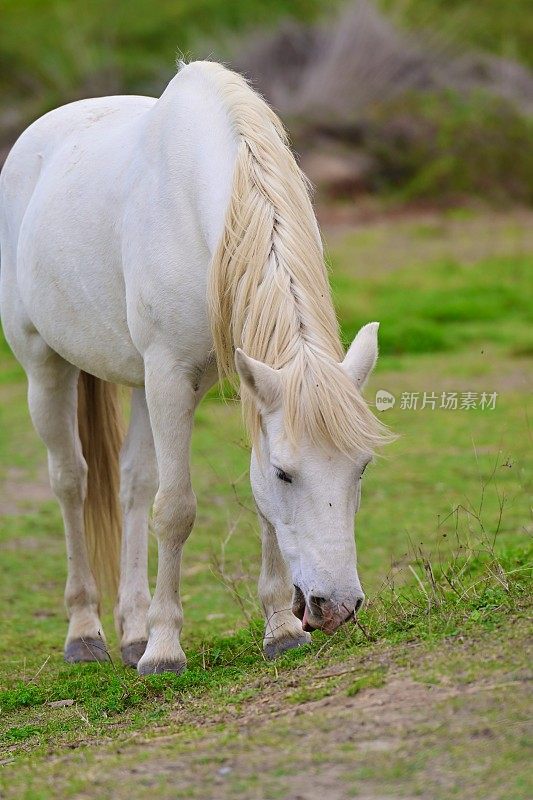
[138,485]
[53,402]
[171,402]
[282,630]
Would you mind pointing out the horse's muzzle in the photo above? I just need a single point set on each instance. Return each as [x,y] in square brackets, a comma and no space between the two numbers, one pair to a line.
[319,613]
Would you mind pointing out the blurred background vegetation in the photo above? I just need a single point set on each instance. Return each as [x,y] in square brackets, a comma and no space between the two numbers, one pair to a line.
[407,99]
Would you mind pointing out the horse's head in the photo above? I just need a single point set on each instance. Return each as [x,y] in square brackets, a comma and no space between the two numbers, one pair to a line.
[310,493]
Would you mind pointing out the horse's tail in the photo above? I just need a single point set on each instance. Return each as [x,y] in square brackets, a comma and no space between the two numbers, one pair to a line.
[101,432]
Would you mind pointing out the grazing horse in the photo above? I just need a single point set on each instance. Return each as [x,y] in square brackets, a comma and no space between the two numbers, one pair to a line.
[158,244]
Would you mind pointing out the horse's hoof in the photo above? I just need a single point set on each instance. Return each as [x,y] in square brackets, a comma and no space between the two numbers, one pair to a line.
[86,649]
[274,648]
[132,652]
[157,667]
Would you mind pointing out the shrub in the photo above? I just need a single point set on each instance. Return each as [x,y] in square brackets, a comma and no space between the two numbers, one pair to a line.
[445,144]
[426,119]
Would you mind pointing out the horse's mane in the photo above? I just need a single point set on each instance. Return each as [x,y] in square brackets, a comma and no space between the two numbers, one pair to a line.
[268,287]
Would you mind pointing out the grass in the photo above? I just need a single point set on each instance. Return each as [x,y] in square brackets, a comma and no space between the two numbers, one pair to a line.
[452,304]
[451,307]
[374,680]
[443,533]
[476,589]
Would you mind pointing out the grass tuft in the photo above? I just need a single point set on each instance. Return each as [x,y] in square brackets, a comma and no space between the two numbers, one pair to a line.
[374,680]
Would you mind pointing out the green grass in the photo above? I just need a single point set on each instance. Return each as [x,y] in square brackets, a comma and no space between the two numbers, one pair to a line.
[451,306]
[373,680]
[474,593]
[443,533]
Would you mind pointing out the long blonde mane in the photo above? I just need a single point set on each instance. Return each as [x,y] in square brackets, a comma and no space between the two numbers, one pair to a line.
[268,288]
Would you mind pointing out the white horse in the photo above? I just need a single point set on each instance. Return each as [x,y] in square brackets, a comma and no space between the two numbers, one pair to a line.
[145,242]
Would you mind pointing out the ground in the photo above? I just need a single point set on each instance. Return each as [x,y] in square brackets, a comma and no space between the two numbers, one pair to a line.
[406,721]
[427,697]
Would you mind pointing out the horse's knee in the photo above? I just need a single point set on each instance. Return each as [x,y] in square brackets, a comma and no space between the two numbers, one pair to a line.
[69,481]
[174,513]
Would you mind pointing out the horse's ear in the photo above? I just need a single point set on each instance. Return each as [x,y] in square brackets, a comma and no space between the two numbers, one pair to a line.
[362,354]
[262,381]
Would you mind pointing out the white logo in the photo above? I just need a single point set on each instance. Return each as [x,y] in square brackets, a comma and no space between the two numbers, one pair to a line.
[384,400]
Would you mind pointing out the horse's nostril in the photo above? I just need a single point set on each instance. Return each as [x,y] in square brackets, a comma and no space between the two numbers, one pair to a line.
[358,603]
[317,602]
[298,603]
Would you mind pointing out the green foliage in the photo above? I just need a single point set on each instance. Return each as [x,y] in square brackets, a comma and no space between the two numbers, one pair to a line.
[449,145]
[425,145]
[22,733]
[505,29]
[428,609]
[55,50]
[22,695]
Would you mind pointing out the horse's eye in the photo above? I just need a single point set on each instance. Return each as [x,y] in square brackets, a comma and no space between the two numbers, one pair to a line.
[282,475]
[363,470]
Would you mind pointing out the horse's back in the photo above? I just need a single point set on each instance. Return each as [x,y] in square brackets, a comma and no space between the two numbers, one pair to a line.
[55,135]
[113,208]
[60,197]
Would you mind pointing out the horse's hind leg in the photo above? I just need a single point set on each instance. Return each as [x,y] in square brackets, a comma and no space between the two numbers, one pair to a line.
[282,629]
[138,485]
[53,401]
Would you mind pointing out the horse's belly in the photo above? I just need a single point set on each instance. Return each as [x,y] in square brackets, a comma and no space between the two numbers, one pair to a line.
[106,352]
[68,324]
